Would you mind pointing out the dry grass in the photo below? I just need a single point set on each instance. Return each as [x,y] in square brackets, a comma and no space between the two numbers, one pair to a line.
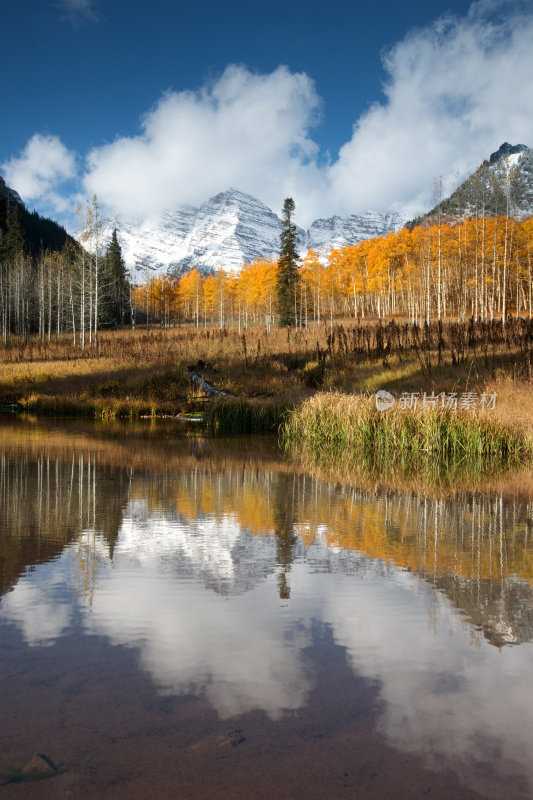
[514,404]
[433,444]
[135,373]
[147,371]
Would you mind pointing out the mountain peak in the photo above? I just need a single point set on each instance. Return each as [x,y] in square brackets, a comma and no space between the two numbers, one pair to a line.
[506,149]
[233,228]
[485,190]
[237,197]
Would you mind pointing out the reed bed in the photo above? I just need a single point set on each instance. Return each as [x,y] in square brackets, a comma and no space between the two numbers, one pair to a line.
[89,407]
[343,427]
[228,417]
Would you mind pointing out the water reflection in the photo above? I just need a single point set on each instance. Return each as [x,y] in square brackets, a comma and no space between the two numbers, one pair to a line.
[231,521]
[219,568]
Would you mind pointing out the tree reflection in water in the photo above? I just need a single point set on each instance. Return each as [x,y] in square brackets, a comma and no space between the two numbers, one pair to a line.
[182,549]
[473,547]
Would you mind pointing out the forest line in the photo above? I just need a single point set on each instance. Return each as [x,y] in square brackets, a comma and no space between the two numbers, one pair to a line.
[479,267]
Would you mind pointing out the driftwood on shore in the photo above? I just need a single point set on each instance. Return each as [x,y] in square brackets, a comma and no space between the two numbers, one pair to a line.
[202,385]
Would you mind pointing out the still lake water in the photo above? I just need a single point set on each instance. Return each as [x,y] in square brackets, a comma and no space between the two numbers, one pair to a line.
[187,618]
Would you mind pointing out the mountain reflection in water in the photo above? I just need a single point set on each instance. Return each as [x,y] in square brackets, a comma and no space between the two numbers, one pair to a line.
[221,566]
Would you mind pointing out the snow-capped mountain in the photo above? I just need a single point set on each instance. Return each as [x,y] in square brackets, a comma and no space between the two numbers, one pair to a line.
[158,247]
[514,163]
[501,184]
[326,234]
[230,229]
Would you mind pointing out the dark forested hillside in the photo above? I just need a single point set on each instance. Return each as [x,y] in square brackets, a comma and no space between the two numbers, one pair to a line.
[40,234]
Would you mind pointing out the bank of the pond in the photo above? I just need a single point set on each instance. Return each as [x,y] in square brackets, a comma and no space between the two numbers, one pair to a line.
[333,425]
[224,416]
[58,406]
[349,427]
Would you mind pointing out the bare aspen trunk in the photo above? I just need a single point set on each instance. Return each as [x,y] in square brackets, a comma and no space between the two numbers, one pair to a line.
[428,280]
[82,304]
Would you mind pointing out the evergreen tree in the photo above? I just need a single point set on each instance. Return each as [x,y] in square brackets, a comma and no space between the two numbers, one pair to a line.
[288,277]
[116,278]
[39,233]
[14,240]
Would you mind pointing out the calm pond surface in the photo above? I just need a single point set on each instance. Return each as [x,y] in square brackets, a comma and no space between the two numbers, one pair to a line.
[189,618]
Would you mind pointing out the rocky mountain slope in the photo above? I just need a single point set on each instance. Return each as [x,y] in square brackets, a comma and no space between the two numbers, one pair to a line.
[325,234]
[502,184]
[233,228]
[230,229]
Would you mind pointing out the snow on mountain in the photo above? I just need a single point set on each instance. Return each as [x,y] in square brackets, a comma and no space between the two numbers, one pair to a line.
[513,164]
[504,181]
[226,231]
[505,150]
[230,229]
[326,234]
[521,164]
[156,248]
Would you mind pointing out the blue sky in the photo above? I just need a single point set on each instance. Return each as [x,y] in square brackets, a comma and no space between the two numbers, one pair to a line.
[344,105]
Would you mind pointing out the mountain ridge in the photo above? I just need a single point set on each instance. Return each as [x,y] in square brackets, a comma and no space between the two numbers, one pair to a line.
[40,233]
[502,184]
[232,228]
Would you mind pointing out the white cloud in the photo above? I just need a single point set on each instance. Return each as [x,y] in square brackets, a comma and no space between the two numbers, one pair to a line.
[456,90]
[78,11]
[37,608]
[240,654]
[244,130]
[44,163]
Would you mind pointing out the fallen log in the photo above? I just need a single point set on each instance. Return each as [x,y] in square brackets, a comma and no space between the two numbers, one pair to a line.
[205,387]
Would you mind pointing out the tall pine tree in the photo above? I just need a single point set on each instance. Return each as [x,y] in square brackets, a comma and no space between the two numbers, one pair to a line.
[117,281]
[288,277]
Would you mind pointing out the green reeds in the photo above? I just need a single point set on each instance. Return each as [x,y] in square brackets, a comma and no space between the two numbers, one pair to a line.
[242,415]
[88,407]
[345,426]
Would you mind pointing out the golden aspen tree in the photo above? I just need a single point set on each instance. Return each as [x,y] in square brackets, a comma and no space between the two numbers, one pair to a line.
[312,272]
